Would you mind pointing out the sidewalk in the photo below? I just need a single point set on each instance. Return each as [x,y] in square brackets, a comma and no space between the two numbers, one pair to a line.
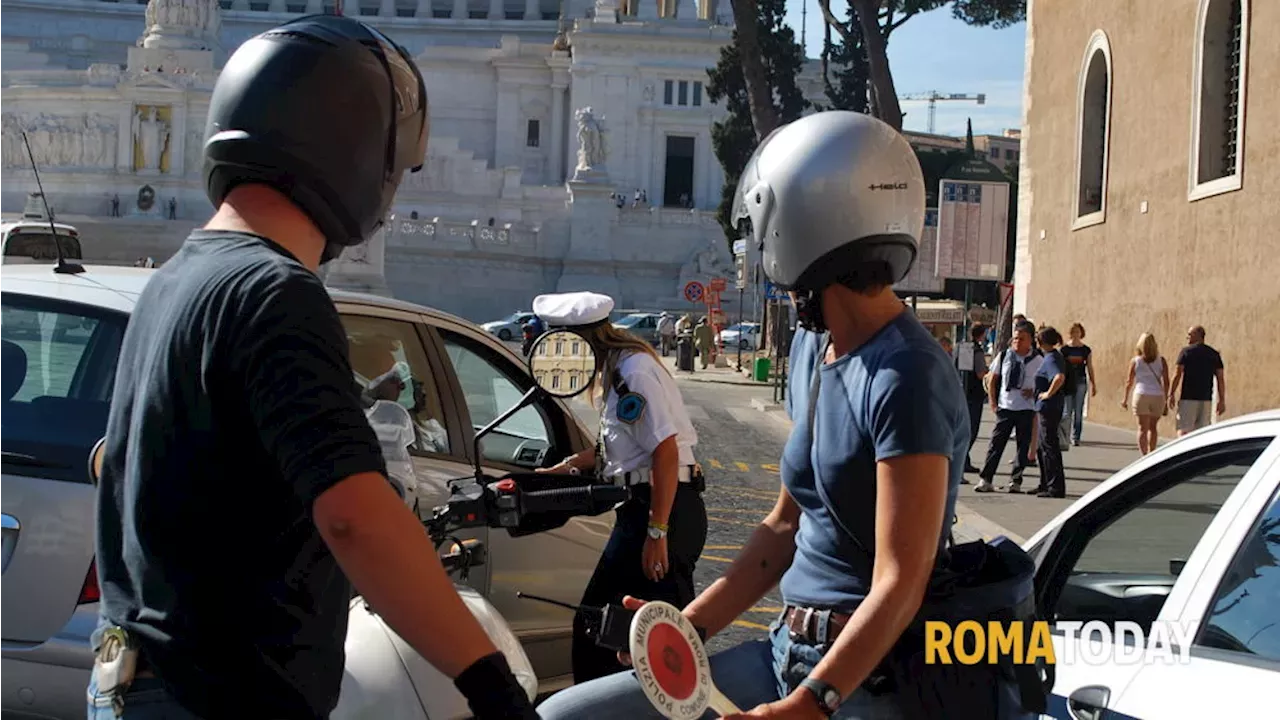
[711,374]
[1104,451]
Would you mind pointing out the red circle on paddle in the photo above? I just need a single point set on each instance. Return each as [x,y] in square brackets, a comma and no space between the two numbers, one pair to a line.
[672,661]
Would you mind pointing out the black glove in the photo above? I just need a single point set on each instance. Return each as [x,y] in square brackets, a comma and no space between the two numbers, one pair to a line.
[492,691]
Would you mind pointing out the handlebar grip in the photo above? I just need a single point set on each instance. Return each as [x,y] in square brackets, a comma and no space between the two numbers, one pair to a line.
[586,500]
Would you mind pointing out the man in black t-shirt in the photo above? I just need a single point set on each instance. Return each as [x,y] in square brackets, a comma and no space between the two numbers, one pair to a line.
[1198,366]
[241,484]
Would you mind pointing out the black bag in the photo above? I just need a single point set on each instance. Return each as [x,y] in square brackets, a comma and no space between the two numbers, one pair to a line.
[979,580]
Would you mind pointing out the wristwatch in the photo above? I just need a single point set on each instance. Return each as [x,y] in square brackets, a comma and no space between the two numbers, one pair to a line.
[827,697]
[657,531]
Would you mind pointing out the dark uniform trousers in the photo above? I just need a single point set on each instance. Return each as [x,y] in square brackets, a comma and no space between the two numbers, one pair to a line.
[619,571]
[1007,423]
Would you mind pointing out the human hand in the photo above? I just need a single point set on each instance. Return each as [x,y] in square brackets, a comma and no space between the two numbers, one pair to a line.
[653,560]
[1093,390]
[799,705]
[1222,407]
[630,603]
[1124,404]
[1044,396]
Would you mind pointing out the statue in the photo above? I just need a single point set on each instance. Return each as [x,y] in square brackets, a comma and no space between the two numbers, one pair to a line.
[152,134]
[591,149]
[182,24]
[706,263]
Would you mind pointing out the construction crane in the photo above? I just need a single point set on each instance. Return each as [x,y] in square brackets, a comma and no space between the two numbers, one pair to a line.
[933,97]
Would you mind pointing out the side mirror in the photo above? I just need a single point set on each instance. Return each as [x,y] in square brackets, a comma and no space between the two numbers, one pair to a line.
[95,460]
[1175,566]
[562,363]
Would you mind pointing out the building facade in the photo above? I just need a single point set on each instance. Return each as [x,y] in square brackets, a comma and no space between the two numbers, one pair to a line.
[1148,182]
[113,98]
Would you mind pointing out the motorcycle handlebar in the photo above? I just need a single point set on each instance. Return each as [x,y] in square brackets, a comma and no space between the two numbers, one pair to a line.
[585,500]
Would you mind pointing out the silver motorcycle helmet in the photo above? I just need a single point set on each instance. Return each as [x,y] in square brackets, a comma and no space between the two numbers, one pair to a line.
[826,195]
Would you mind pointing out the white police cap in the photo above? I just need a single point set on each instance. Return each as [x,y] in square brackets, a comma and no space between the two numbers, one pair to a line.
[574,309]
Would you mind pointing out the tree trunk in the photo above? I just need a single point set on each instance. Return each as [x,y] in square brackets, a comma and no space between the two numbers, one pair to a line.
[886,96]
[746,20]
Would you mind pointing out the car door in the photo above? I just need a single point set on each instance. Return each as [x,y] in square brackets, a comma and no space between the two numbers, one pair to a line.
[554,564]
[384,339]
[1233,664]
[59,361]
[1132,549]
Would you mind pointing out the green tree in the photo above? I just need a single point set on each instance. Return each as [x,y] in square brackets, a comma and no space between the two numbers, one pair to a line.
[845,86]
[877,19]
[735,138]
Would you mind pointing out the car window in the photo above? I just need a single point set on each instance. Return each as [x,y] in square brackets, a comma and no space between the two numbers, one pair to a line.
[59,363]
[1134,547]
[389,363]
[491,385]
[1245,615]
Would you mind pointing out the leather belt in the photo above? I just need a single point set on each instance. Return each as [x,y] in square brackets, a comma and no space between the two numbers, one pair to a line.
[806,624]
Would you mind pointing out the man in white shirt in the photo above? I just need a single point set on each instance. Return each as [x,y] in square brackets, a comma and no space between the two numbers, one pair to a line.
[1011,393]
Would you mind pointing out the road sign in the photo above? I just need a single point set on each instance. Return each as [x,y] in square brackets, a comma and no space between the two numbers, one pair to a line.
[693,291]
[672,665]
[973,230]
[739,247]
[773,292]
[718,284]
[740,275]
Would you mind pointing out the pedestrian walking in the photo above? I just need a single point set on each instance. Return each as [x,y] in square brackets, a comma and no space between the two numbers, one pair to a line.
[234,390]
[667,332]
[1050,381]
[975,392]
[1011,395]
[1148,382]
[646,442]
[1080,382]
[1199,365]
[704,339]
[876,453]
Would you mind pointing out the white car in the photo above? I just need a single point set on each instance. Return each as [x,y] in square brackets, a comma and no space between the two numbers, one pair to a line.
[508,328]
[1187,537]
[61,337]
[742,335]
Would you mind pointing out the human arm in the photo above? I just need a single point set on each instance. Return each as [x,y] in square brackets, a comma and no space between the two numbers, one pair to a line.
[993,384]
[1220,374]
[1088,368]
[1128,383]
[1054,385]
[585,460]
[664,480]
[290,364]
[757,569]
[1173,386]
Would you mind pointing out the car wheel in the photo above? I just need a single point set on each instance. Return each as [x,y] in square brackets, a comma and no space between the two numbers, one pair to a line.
[744,345]
[504,334]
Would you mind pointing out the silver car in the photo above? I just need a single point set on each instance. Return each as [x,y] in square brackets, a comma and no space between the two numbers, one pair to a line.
[56,390]
[642,325]
[509,327]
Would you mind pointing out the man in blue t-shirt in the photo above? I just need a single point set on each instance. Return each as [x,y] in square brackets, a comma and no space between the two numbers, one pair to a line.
[874,461]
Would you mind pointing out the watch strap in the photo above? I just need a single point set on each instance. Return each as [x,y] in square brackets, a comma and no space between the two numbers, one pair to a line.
[821,691]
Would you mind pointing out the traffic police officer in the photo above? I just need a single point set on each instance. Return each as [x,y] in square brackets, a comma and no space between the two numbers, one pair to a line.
[646,441]
[234,402]
[835,202]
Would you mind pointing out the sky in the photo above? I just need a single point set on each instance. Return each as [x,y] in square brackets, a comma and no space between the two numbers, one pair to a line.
[933,51]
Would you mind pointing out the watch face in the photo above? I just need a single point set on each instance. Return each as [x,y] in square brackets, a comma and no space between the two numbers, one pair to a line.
[831,699]
[655,533]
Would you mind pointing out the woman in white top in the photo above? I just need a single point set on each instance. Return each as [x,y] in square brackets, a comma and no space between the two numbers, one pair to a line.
[646,441]
[1149,383]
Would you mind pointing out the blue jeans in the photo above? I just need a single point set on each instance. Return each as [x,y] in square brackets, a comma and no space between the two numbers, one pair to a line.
[751,674]
[146,700]
[1073,410]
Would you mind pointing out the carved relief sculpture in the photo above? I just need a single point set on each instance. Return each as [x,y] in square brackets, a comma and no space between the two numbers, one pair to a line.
[591,149]
[84,141]
[182,24]
[152,135]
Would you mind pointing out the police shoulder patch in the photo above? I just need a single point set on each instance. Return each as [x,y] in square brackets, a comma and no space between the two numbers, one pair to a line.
[631,408]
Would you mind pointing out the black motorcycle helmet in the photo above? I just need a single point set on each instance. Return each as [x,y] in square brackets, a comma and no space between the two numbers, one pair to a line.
[328,111]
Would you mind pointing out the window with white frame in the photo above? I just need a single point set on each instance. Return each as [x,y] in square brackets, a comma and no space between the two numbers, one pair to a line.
[1217,134]
[682,93]
[1093,133]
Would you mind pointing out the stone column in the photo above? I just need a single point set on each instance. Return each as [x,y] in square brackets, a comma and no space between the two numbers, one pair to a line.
[387,8]
[531,10]
[557,133]
[496,10]
[315,7]
[459,10]
[424,9]
[593,218]
[239,4]
[277,6]
[509,137]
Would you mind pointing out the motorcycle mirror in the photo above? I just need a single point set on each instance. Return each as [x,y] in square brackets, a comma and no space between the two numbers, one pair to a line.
[562,363]
[95,460]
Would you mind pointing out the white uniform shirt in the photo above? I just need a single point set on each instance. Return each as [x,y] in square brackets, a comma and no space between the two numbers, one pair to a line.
[1011,398]
[630,446]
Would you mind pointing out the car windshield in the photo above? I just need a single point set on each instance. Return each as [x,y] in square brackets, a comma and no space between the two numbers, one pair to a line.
[630,320]
[514,317]
[744,327]
[39,246]
[59,363]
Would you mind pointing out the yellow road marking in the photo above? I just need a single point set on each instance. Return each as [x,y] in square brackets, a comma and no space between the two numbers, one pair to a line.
[716,464]
[746,492]
[737,510]
[716,559]
[742,466]
[749,624]
[721,547]
[765,609]
[769,467]
[732,522]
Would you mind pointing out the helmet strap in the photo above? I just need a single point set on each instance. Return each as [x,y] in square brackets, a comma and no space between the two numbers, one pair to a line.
[809,311]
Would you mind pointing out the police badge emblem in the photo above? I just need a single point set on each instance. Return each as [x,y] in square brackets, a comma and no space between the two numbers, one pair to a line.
[631,408]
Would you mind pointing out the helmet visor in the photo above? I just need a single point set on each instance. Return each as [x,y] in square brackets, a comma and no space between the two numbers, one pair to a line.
[410,98]
[747,183]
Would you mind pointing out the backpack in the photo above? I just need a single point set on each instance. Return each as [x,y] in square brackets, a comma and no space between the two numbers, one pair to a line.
[981,580]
